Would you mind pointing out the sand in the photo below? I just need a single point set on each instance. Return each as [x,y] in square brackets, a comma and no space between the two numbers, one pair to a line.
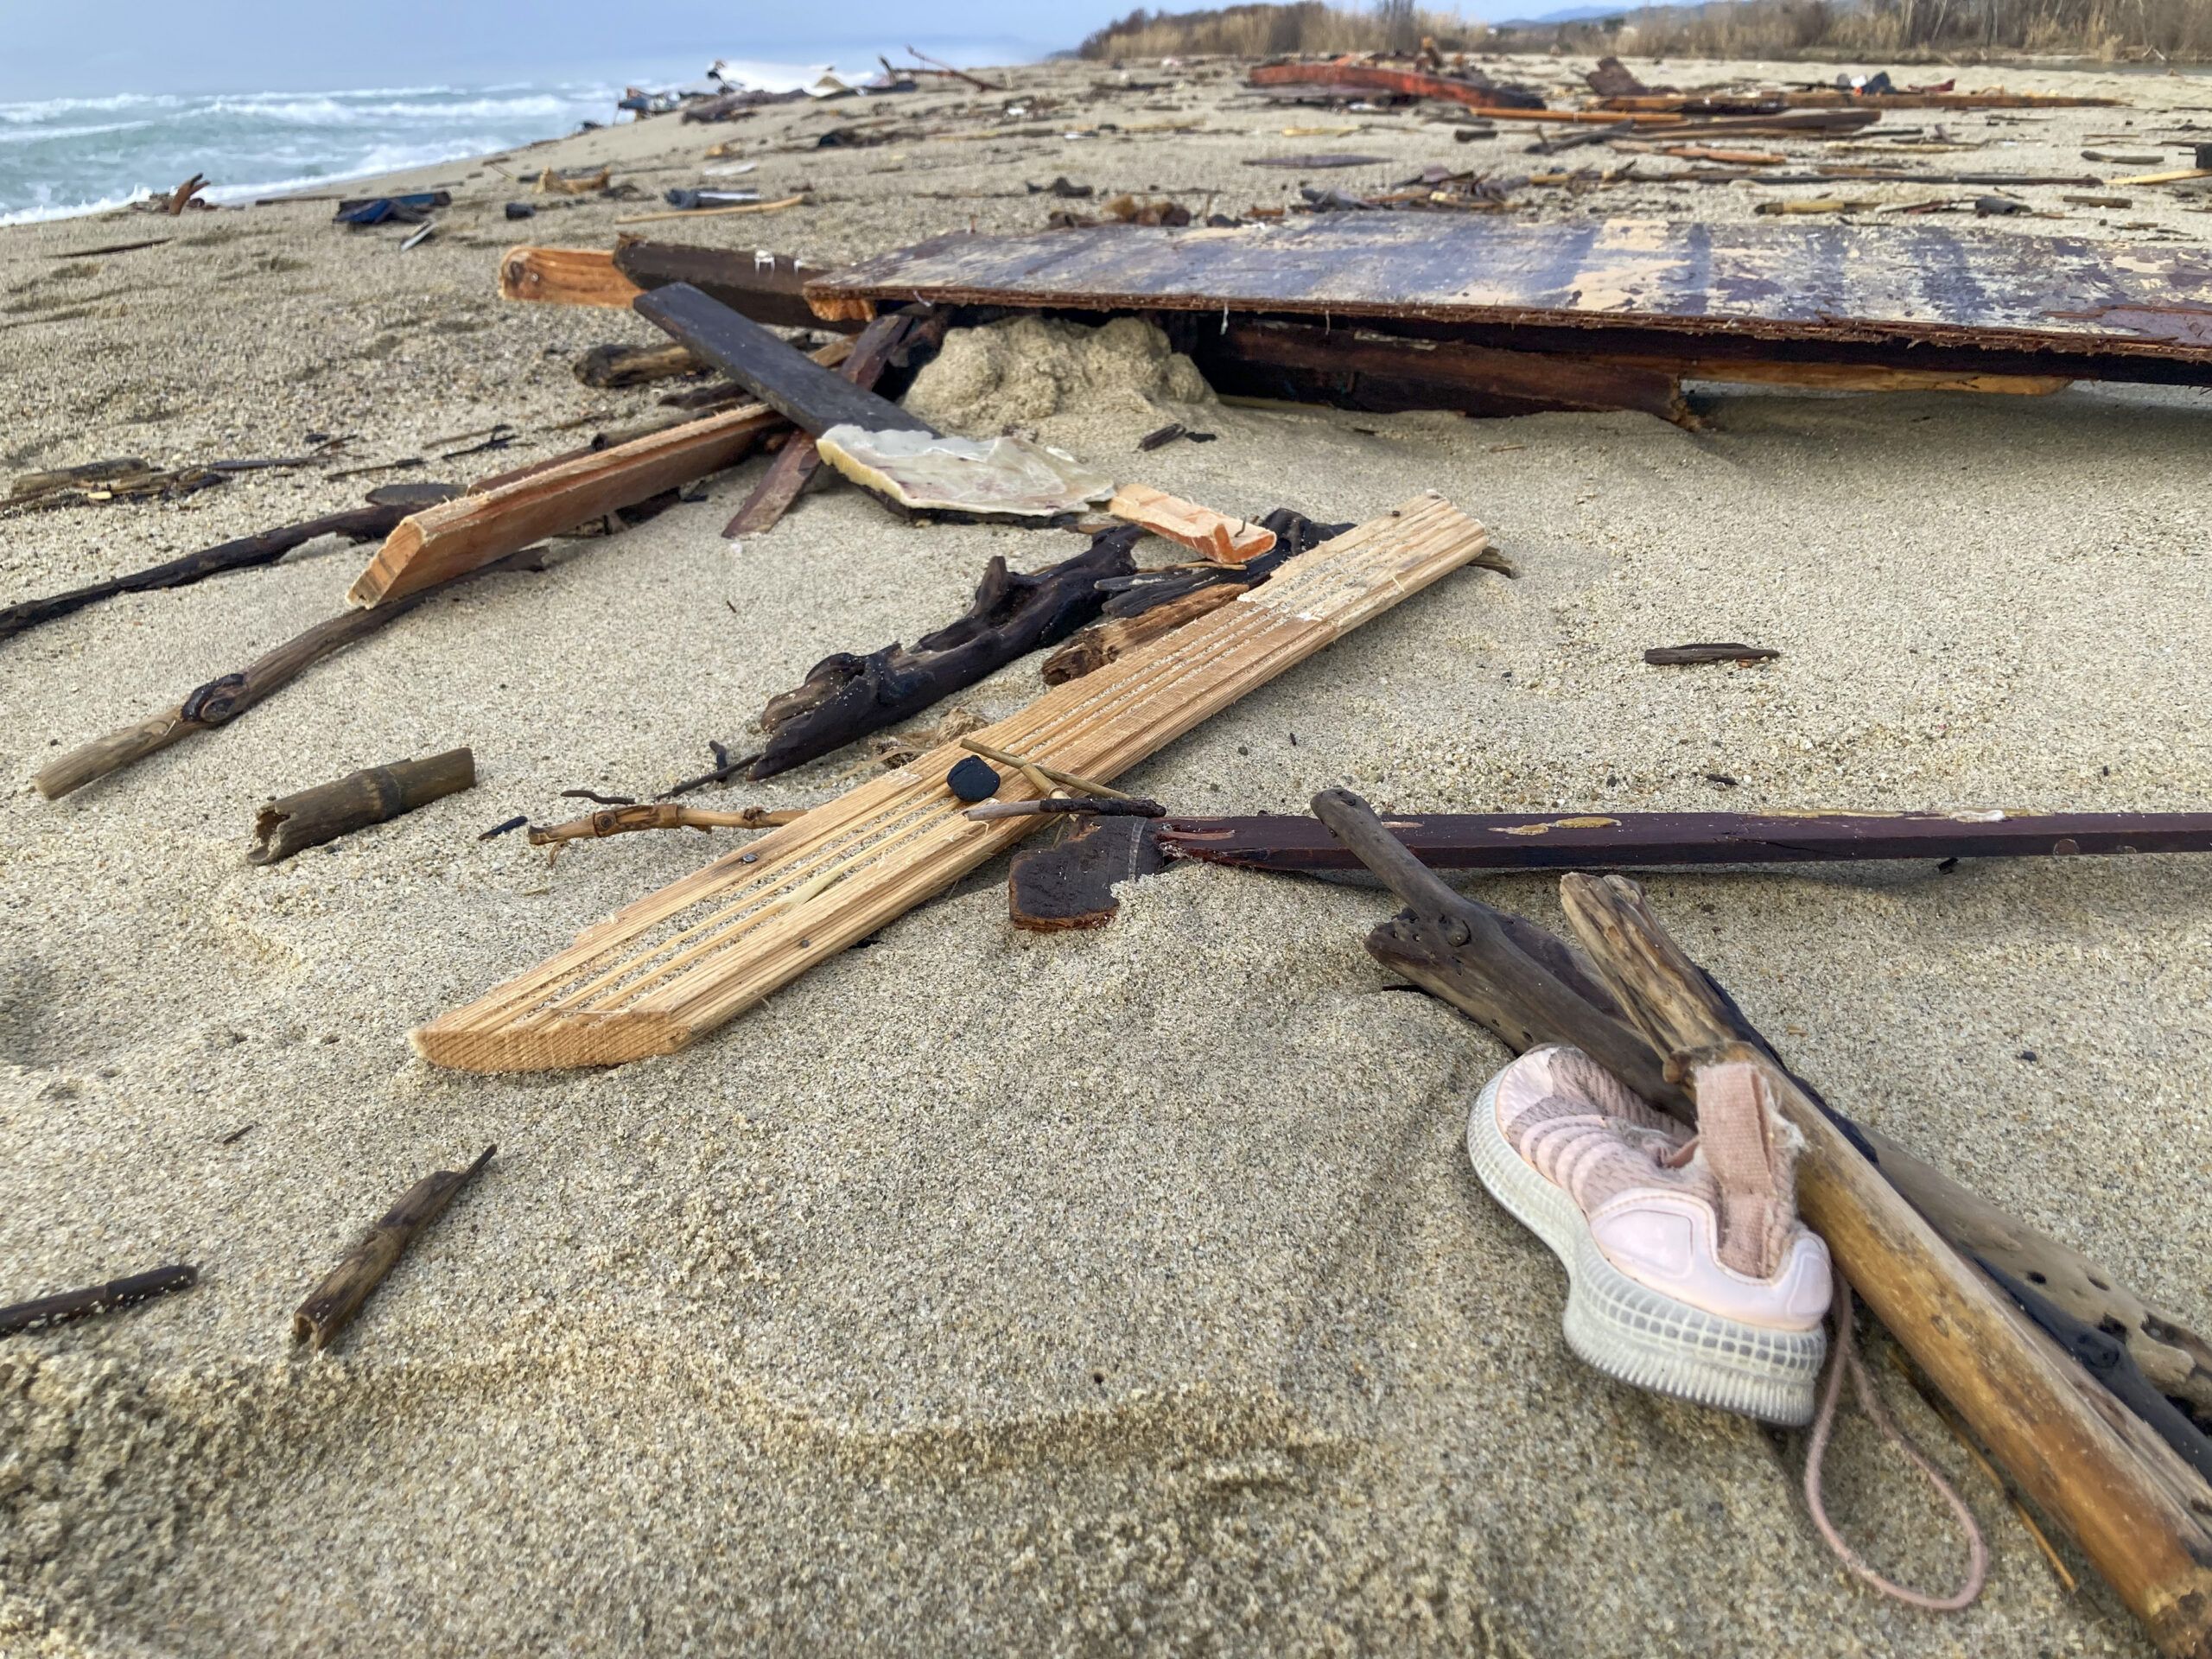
[1122,1290]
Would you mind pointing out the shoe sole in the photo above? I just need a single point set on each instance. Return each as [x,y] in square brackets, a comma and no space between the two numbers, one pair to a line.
[1642,1336]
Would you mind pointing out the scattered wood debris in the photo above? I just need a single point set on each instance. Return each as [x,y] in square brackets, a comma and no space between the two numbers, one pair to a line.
[334,1301]
[292,823]
[659,814]
[49,1311]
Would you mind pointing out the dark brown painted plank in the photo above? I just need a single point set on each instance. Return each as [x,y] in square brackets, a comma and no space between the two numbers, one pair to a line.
[1600,840]
[1893,287]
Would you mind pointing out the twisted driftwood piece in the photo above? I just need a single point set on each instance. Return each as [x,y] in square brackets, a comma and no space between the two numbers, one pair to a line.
[661,815]
[2122,1493]
[224,698]
[333,1302]
[845,696]
[373,795]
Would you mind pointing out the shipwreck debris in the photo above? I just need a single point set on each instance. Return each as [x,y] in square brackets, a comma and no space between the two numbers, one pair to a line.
[292,823]
[334,1301]
[1069,885]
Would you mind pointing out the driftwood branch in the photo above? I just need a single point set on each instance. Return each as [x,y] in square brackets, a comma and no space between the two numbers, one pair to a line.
[295,823]
[101,1299]
[2129,1521]
[224,698]
[358,524]
[608,367]
[621,820]
[333,1302]
[845,696]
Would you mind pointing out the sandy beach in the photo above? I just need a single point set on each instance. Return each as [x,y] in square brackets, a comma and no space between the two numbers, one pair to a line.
[985,1291]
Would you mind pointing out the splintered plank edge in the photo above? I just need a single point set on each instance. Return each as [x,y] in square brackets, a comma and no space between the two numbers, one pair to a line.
[680,962]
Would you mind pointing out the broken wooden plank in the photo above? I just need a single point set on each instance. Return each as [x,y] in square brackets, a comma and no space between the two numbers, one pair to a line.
[1106,642]
[356,524]
[1853,376]
[334,1301]
[810,397]
[1452,840]
[1070,884]
[1915,296]
[1217,536]
[564,277]
[673,966]
[223,699]
[49,1311]
[447,541]
[798,461]
[292,823]
[846,696]
[767,287]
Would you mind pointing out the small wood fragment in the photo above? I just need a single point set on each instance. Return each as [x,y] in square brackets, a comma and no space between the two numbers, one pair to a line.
[374,795]
[610,366]
[1056,889]
[1223,539]
[1103,642]
[49,1311]
[334,1301]
[661,815]
[1678,656]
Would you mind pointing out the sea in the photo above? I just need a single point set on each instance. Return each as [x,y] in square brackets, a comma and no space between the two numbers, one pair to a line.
[69,156]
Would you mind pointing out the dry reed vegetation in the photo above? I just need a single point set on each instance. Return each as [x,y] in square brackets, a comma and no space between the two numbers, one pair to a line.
[1900,30]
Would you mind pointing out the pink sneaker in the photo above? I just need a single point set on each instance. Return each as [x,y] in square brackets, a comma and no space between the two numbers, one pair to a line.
[1688,1271]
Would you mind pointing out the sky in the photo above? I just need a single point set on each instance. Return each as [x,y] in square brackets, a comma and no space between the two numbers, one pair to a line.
[55,49]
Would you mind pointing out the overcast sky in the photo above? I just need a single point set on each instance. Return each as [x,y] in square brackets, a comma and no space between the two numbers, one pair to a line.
[56,49]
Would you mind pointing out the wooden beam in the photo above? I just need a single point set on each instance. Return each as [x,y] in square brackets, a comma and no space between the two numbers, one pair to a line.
[764,286]
[2145,1542]
[564,277]
[1508,841]
[673,966]
[460,536]
[810,397]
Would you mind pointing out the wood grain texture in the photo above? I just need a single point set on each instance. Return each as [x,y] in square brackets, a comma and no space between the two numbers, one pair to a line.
[655,977]
[2054,305]
[2146,1543]
[1215,535]
[564,277]
[450,540]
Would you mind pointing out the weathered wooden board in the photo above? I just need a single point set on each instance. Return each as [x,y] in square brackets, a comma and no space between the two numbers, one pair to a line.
[1896,293]
[655,977]
[1450,841]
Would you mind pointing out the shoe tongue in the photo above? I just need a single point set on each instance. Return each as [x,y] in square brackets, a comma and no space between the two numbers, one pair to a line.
[1732,1134]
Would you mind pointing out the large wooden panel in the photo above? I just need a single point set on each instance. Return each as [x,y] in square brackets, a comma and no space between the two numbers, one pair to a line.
[2089,310]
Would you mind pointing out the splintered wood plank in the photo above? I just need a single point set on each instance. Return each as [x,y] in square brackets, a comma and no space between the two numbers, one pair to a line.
[1221,538]
[1644,287]
[564,277]
[653,977]
[457,537]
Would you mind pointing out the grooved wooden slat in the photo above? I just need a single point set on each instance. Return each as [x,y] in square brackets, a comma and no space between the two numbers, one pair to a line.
[678,963]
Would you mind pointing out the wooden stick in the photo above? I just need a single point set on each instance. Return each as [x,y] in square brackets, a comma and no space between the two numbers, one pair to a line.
[1087,785]
[678,963]
[462,536]
[621,820]
[224,698]
[712,213]
[49,1311]
[333,1302]
[357,523]
[373,795]
[605,367]
[2145,1542]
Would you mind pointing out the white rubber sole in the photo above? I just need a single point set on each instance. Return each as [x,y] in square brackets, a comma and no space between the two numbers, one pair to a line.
[1637,1334]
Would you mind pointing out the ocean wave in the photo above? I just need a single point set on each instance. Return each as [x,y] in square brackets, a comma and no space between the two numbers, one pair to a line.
[51,135]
